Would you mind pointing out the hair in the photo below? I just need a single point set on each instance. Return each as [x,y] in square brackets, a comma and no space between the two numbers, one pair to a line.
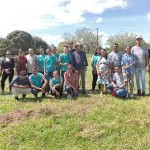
[35,68]
[66,46]
[115,44]
[73,70]
[70,43]
[106,52]
[95,52]
[55,72]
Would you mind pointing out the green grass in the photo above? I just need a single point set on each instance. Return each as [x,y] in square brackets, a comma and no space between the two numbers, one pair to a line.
[92,122]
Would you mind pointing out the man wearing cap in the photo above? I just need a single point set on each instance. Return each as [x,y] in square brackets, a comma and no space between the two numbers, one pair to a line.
[79,62]
[20,85]
[141,53]
[20,62]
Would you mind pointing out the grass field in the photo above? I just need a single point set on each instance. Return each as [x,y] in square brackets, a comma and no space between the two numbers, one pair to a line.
[91,122]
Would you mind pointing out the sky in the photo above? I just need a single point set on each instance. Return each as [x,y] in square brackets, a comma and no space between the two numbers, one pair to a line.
[50,19]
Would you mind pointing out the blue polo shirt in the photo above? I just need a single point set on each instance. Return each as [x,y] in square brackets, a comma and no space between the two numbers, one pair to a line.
[65,58]
[55,81]
[41,62]
[36,80]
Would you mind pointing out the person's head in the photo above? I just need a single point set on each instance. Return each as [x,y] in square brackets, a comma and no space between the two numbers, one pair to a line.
[104,53]
[23,74]
[20,52]
[41,51]
[117,69]
[115,47]
[128,50]
[78,46]
[70,69]
[139,40]
[55,74]
[54,50]
[31,51]
[35,71]
[97,51]
[66,49]
[70,45]
[8,54]
[49,51]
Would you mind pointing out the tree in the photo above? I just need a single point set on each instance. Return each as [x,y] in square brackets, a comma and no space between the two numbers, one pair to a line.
[5,45]
[38,42]
[61,45]
[21,39]
[86,37]
[123,40]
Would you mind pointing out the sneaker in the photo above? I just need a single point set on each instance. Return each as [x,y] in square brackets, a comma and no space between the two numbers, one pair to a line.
[43,95]
[2,93]
[131,96]
[139,93]
[83,91]
[35,95]
[69,96]
[143,93]
[24,97]
[16,98]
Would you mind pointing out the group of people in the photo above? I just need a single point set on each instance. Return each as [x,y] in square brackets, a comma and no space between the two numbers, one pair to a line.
[52,73]
[117,69]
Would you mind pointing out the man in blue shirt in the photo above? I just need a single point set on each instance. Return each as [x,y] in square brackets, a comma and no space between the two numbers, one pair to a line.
[38,82]
[79,62]
[20,85]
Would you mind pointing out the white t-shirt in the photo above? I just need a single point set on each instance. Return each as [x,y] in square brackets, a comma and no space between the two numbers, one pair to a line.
[32,61]
[120,79]
[140,53]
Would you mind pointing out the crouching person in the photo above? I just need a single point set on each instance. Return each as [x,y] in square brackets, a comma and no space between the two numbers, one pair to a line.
[38,82]
[71,82]
[20,85]
[56,85]
[119,83]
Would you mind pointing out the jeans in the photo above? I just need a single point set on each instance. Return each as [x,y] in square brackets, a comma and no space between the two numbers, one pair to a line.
[140,75]
[48,76]
[69,90]
[120,93]
[59,89]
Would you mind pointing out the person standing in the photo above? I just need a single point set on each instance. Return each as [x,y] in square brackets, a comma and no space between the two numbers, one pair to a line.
[32,61]
[128,66]
[64,61]
[95,58]
[79,62]
[41,60]
[7,67]
[20,62]
[114,58]
[142,64]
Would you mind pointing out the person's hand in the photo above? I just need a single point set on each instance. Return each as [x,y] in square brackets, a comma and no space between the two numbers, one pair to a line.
[116,88]
[125,67]
[42,90]
[44,87]
[147,68]
[85,68]
[7,71]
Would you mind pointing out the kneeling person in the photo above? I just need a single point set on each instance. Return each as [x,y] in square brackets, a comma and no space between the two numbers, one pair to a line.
[56,85]
[119,83]
[20,85]
[38,82]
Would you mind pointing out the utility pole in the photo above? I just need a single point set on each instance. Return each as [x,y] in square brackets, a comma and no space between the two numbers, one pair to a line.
[97,36]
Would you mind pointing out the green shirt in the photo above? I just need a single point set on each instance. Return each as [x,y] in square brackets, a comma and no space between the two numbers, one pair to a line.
[65,61]
[41,62]
[51,63]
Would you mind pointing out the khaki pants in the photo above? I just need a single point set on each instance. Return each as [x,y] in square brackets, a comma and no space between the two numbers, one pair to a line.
[82,74]
[16,91]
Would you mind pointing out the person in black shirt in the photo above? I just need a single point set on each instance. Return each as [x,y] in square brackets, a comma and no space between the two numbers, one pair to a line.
[7,70]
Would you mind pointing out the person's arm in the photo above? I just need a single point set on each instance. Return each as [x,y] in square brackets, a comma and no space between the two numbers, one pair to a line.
[92,64]
[44,66]
[33,86]
[85,61]
[147,61]
[12,62]
[45,82]
[13,82]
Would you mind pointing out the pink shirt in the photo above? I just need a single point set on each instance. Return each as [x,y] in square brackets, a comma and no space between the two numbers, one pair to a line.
[72,78]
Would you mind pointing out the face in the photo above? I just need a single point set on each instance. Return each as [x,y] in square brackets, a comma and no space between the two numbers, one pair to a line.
[70,46]
[20,53]
[49,52]
[34,71]
[31,51]
[78,47]
[55,74]
[128,50]
[98,51]
[69,68]
[115,48]
[22,77]
[117,69]
[8,54]
[54,50]
[65,50]
[139,41]
[41,51]
[102,53]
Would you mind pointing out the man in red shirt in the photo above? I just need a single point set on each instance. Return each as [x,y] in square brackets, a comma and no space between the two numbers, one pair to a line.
[20,62]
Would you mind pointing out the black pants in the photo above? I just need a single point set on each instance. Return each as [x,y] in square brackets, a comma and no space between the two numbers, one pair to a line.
[4,77]
[94,81]
[59,89]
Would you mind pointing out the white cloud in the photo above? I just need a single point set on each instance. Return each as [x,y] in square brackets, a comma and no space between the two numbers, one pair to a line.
[148,16]
[99,20]
[31,15]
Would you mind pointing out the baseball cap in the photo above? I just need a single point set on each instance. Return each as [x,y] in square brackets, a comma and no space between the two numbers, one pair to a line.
[139,37]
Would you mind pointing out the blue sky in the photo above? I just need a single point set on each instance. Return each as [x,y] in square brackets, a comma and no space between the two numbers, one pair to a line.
[51,19]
